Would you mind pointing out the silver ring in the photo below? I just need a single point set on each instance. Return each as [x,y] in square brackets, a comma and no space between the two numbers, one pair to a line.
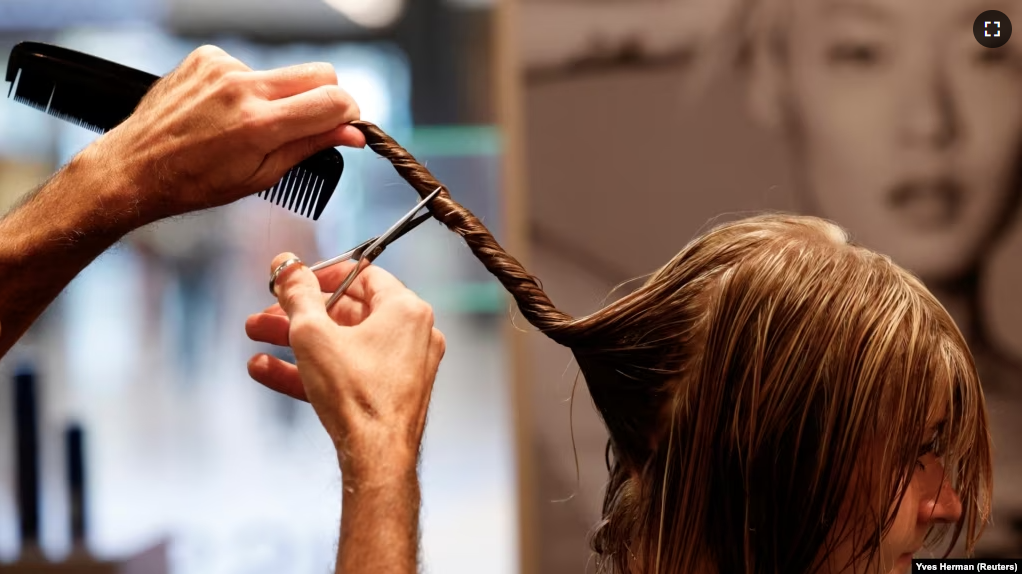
[276,272]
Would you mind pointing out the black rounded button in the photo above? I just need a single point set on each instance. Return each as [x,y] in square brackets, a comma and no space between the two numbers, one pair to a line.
[992,29]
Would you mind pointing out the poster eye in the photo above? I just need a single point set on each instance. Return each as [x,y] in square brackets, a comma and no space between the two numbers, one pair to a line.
[860,54]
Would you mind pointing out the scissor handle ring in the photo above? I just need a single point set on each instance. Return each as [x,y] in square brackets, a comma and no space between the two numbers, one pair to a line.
[280,269]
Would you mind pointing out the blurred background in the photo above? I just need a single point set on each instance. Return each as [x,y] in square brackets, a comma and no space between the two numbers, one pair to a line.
[595,138]
[147,351]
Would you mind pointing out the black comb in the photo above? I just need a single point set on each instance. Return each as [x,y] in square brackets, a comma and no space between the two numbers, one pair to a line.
[98,95]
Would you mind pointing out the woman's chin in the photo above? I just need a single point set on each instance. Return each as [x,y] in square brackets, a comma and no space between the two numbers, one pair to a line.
[903,564]
[938,254]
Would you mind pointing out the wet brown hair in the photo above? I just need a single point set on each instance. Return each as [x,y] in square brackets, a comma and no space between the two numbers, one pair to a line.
[748,384]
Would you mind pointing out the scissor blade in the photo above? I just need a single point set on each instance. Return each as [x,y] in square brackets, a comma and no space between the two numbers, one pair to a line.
[398,229]
[410,226]
[404,225]
[355,253]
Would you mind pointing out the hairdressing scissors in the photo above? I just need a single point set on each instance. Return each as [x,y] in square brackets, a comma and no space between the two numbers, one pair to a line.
[369,250]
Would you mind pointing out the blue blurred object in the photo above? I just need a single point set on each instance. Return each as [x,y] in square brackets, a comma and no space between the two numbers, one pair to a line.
[58,14]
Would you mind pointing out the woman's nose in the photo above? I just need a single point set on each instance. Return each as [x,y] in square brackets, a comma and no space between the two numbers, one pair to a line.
[929,115]
[940,503]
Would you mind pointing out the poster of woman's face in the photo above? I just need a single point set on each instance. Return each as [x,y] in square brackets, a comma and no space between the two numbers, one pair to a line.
[886,116]
[906,129]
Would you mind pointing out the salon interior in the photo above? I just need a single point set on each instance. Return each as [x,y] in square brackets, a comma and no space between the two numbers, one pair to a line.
[594,140]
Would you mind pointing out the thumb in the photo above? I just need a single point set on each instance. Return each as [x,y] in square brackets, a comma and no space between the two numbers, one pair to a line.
[298,290]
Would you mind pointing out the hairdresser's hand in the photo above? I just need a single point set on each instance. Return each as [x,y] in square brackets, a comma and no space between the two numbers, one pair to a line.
[214,131]
[367,368]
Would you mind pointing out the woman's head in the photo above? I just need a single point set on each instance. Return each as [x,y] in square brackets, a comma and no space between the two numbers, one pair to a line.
[778,400]
[905,128]
[815,408]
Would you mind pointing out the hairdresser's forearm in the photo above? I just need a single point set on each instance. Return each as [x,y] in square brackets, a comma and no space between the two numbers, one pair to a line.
[49,238]
[380,513]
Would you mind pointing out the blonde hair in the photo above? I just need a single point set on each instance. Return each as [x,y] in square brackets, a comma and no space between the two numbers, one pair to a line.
[797,361]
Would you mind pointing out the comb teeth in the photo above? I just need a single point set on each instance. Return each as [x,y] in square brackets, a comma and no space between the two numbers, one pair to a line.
[98,95]
[29,102]
[308,186]
[76,121]
[296,191]
[51,107]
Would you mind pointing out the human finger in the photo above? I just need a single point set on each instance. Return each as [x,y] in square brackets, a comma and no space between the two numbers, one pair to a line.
[271,310]
[317,111]
[277,375]
[298,291]
[293,80]
[268,328]
[330,278]
[329,281]
[293,153]
[370,282]
[273,327]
